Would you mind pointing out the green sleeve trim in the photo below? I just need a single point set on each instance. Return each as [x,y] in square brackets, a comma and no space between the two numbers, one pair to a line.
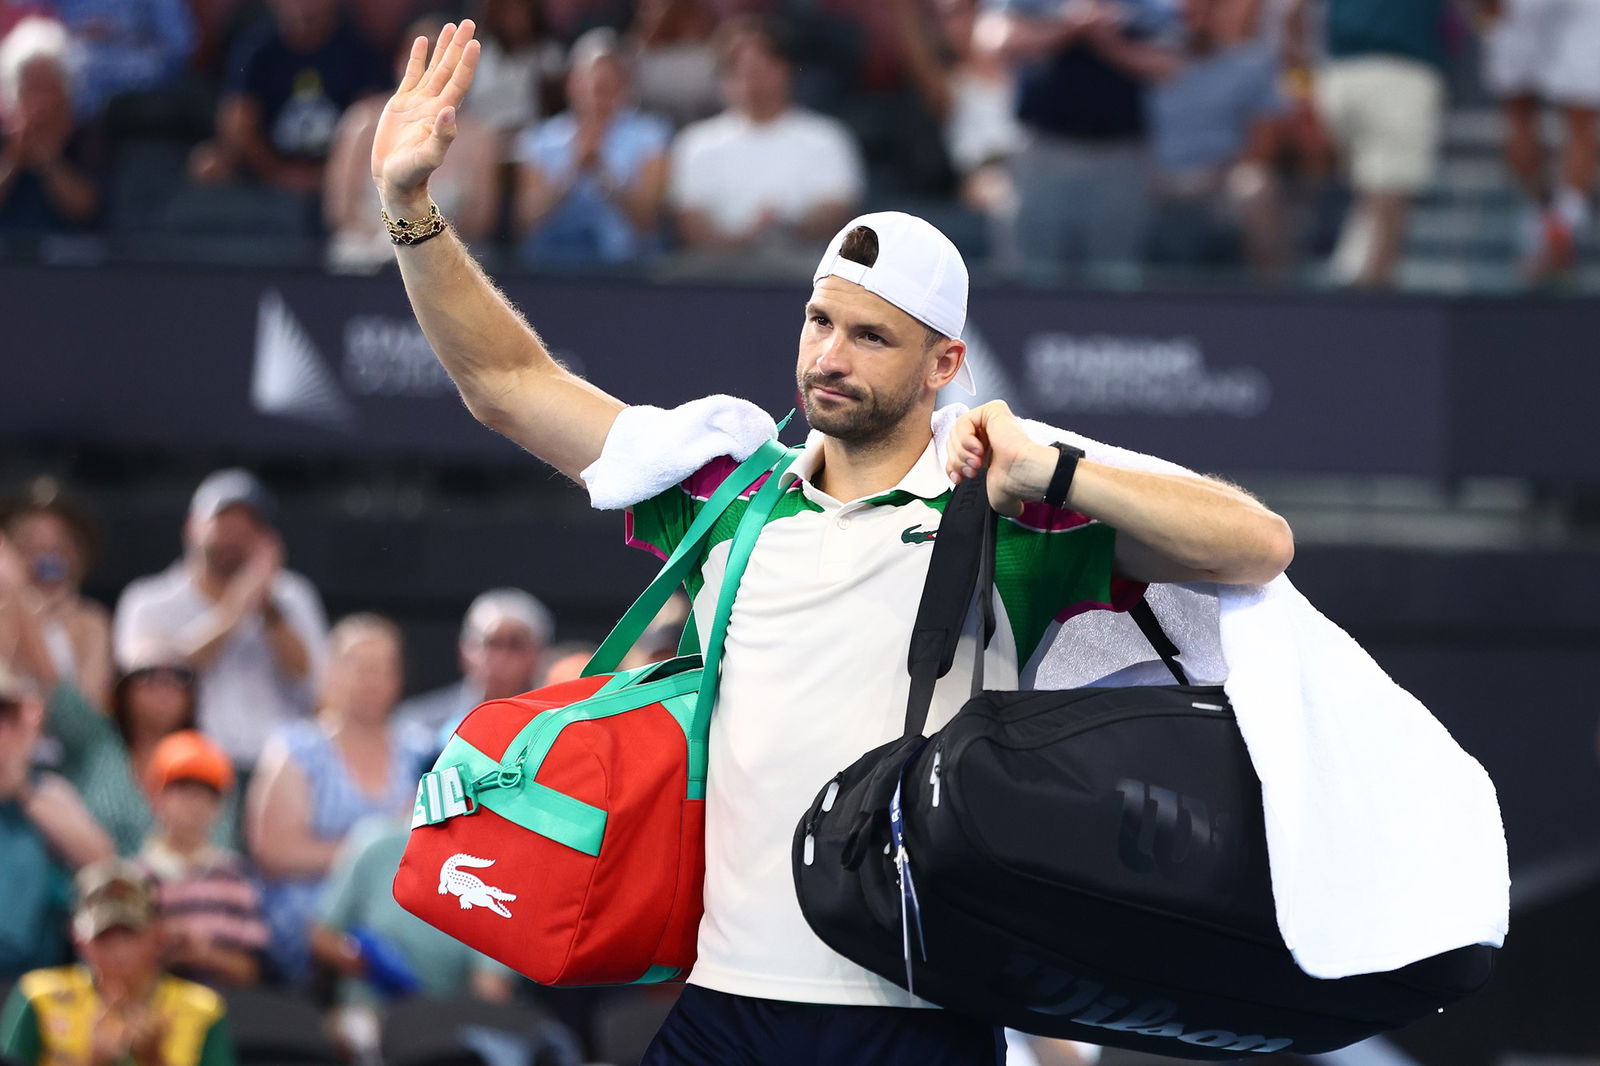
[19,1031]
[218,1047]
[1041,574]
[661,521]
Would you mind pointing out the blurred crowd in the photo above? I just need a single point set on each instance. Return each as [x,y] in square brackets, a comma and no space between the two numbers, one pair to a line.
[211,787]
[1045,136]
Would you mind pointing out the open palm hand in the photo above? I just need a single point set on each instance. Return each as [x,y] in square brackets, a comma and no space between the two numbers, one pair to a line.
[419,121]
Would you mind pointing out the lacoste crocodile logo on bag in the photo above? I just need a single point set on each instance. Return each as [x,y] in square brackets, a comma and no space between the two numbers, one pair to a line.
[471,889]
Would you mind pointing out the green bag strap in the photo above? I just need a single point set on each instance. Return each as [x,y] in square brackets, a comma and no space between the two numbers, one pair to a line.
[631,626]
[744,542]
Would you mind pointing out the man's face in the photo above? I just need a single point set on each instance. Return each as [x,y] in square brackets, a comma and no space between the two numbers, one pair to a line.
[123,959]
[755,81]
[864,366]
[504,658]
[227,540]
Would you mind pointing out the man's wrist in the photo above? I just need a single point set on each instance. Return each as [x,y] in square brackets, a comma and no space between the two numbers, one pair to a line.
[409,205]
[1032,475]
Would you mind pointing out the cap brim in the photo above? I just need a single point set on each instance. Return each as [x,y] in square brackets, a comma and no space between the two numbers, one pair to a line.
[964,379]
[93,921]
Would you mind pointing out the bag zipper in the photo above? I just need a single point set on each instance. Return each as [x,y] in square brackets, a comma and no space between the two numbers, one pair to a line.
[808,850]
[933,778]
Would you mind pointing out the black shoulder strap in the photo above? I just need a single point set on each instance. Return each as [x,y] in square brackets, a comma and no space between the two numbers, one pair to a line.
[963,545]
[1150,626]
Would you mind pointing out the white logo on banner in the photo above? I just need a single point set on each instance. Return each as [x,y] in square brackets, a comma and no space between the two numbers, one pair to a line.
[290,378]
[1109,375]
[473,892]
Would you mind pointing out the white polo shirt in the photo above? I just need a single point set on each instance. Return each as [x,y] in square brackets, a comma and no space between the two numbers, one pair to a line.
[243,697]
[732,169]
[814,676]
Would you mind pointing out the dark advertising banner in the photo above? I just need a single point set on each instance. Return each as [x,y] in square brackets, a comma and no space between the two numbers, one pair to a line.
[278,360]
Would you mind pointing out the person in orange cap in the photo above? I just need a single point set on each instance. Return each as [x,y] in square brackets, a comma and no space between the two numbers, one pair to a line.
[213,929]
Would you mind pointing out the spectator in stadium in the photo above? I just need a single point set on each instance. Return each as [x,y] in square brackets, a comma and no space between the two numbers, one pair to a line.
[502,653]
[590,181]
[1214,123]
[58,542]
[45,834]
[318,778]
[675,64]
[466,191]
[567,660]
[48,164]
[286,87]
[118,1005]
[570,19]
[382,952]
[126,46]
[212,928]
[1542,52]
[383,24]
[972,93]
[764,175]
[1382,94]
[1083,173]
[517,68]
[253,631]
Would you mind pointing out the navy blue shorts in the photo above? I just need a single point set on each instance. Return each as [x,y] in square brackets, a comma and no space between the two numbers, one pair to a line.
[709,1028]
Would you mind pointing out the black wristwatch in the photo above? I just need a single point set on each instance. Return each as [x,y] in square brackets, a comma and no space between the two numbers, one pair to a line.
[1055,495]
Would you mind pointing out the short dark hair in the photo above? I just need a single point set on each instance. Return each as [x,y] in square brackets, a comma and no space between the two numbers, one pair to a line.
[860,245]
[771,31]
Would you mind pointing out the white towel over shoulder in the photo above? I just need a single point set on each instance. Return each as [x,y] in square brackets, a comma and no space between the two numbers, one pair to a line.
[1384,836]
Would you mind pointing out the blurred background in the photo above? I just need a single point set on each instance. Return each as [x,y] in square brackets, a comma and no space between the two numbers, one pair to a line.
[1338,251]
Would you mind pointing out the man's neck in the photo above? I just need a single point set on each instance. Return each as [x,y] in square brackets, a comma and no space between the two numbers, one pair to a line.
[855,471]
[764,113]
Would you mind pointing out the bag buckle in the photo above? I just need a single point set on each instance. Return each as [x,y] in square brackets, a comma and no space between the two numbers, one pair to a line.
[442,795]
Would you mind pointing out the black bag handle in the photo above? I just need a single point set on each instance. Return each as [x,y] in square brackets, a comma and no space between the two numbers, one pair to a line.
[963,565]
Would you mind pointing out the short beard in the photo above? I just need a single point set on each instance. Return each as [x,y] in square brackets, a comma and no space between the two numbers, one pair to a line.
[871,420]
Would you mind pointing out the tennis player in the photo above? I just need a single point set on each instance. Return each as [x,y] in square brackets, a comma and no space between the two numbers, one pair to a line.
[814,669]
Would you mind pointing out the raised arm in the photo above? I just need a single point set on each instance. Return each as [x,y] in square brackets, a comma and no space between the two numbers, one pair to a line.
[506,375]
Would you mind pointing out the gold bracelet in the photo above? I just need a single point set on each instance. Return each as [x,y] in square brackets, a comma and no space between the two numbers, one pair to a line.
[404,231]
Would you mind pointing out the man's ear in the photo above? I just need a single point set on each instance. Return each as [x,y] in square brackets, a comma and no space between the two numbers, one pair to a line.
[950,355]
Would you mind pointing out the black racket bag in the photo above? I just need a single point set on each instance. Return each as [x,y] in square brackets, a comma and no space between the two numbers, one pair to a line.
[1087,863]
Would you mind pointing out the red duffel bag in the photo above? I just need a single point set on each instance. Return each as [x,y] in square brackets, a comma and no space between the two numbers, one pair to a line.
[562,831]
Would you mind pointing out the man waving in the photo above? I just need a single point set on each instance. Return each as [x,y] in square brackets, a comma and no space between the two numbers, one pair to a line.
[813,674]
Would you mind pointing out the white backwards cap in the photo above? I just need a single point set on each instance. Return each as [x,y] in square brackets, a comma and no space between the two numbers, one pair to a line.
[918,270]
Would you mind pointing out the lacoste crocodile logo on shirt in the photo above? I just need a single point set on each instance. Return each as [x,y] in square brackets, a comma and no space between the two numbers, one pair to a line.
[916,535]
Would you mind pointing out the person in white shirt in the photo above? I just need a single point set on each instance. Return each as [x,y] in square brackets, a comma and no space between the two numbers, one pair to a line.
[763,174]
[253,632]
[813,670]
